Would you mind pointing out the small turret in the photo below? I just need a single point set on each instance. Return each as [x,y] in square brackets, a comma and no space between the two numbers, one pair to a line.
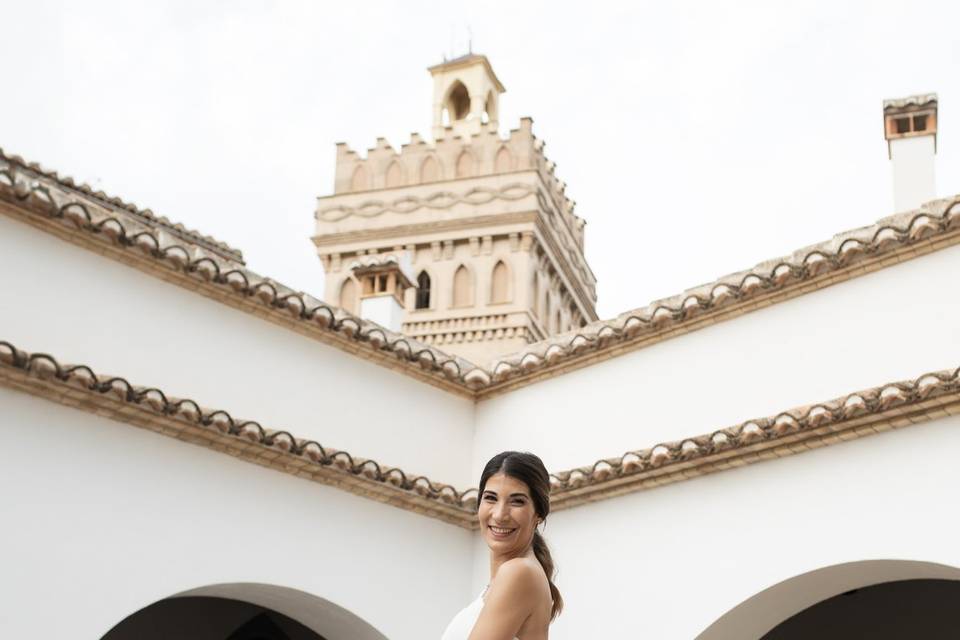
[466,95]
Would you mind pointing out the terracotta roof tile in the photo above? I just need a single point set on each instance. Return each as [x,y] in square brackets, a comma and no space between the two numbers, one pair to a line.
[117,398]
[48,199]
[854,415]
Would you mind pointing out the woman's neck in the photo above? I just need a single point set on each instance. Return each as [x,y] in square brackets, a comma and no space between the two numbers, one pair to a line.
[497,560]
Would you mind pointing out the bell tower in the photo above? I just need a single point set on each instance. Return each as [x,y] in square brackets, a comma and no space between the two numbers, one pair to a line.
[467,241]
[466,95]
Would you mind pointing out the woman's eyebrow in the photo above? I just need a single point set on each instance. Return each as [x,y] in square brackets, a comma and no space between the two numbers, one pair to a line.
[522,495]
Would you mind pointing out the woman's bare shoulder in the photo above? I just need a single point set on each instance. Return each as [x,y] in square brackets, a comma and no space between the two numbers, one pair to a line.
[519,574]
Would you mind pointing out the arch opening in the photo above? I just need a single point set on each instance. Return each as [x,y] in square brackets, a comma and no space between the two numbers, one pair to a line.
[458,101]
[243,611]
[423,291]
[783,608]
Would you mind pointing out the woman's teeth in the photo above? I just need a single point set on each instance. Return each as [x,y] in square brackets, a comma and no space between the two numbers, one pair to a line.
[500,531]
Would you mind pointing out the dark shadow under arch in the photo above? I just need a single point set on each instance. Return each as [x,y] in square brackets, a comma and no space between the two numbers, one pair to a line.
[889,611]
[243,611]
[757,616]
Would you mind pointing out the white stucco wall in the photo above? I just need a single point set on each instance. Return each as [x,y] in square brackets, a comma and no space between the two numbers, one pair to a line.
[668,562]
[892,324]
[84,308]
[101,519]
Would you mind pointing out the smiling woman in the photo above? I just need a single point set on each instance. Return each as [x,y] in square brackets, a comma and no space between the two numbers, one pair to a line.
[521,600]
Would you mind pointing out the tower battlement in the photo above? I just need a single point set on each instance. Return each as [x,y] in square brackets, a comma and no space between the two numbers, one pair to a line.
[495,247]
[454,157]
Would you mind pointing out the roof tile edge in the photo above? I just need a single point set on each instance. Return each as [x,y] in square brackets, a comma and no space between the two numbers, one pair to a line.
[846,255]
[43,202]
[145,216]
[114,397]
[854,415]
[862,413]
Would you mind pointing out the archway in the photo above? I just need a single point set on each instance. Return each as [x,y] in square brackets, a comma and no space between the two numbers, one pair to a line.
[839,592]
[243,611]
[887,611]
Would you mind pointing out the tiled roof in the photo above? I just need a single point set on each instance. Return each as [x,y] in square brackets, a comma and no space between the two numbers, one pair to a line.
[98,198]
[114,397]
[871,411]
[867,412]
[910,101]
[51,202]
[846,255]
[42,200]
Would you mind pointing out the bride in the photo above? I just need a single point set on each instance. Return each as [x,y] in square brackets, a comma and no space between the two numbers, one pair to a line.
[521,600]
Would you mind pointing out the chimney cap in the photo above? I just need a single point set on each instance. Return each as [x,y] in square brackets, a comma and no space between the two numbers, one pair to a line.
[910,103]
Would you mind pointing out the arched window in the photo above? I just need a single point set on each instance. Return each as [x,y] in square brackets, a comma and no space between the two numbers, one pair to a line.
[500,283]
[462,288]
[423,291]
[348,295]
[504,161]
[360,180]
[394,175]
[465,165]
[545,318]
[429,170]
[458,101]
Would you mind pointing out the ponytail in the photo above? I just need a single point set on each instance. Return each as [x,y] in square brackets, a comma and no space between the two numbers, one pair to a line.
[542,552]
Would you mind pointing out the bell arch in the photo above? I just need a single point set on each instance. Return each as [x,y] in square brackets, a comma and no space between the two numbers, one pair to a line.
[243,611]
[761,614]
[457,102]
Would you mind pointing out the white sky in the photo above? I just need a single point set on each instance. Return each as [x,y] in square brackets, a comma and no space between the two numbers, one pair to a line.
[697,138]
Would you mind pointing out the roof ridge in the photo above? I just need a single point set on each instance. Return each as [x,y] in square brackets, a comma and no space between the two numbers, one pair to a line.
[822,262]
[865,412]
[232,283]
[114,396]
[807,427]
[147,215]
[847,254]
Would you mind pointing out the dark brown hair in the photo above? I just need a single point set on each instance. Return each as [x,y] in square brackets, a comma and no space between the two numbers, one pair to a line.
[529,469]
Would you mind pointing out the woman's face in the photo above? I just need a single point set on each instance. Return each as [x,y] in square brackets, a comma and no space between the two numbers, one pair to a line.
[507,515]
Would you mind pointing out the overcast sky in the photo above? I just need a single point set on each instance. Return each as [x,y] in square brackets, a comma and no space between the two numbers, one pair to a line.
[697,138]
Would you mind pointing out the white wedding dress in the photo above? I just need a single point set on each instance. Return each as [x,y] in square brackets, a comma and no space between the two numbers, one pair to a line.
[462,623]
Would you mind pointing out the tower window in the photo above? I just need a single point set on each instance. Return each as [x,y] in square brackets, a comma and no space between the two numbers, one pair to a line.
[423,291]
[459,102]
[462,288]
[920,123]
[902,124]
[500,284]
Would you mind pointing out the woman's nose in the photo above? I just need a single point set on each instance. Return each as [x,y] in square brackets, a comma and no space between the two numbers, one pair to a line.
[500,511]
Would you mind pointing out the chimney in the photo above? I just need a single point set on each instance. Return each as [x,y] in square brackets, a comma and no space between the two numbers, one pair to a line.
[910,127]
[383,281]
